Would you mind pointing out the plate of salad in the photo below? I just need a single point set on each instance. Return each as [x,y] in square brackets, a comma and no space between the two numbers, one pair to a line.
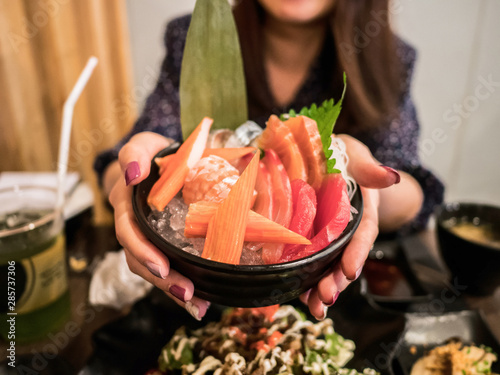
[269,340]
[351,339]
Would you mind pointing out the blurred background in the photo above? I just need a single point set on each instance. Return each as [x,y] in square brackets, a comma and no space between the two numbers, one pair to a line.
[44,44]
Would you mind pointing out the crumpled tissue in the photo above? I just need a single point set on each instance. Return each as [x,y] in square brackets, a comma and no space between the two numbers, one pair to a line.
[114,285]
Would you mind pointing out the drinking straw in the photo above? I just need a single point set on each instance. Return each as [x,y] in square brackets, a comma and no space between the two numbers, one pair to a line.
[67,119]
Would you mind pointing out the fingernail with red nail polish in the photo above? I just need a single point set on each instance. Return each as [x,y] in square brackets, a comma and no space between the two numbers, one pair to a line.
[396,174]
[154,269]
[132,172]
[178,292]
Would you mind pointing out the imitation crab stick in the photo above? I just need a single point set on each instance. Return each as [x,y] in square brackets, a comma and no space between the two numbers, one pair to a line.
[172,179]
[163,162]
[258,229]
[226,229]
[229,153]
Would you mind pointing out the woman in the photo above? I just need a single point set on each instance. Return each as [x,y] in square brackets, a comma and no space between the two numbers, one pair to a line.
[294,54]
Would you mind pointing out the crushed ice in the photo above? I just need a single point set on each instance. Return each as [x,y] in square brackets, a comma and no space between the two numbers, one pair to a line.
[170,225]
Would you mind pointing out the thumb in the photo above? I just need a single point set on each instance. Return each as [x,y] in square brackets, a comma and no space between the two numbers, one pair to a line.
[364,168]
[135,156]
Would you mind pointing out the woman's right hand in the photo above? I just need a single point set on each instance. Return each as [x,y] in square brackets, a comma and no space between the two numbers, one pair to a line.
[143,258]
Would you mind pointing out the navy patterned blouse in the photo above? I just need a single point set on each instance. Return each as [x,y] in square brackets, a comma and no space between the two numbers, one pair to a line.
[394,145]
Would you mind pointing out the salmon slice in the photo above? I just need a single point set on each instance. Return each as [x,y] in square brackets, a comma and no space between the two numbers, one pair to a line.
[278,137]
[306,134]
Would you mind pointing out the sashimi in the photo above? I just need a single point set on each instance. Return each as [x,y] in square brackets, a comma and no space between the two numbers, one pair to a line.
[298,208]
[329,197]
[306,134]
[264,202]
[332,216]
[278,137]
[304,212]
[282,202]
[304,207]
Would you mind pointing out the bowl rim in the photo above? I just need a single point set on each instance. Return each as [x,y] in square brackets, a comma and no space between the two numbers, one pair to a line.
[456,206]
[207,264]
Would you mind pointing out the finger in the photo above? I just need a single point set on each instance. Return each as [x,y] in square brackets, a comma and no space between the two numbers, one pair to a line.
[128,233]
[304,297]
[317,308]
[357,250]
[135,156]
[197,307]
[364,168]
[332,285]
[137,246]
[178,287]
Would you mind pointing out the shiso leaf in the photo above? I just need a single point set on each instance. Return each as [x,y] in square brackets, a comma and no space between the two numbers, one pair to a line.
[212,79]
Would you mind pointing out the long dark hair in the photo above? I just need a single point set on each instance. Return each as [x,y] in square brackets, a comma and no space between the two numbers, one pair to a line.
[364,47]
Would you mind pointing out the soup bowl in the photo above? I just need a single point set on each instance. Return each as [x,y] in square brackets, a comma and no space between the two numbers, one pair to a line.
[469,242]
[242,285]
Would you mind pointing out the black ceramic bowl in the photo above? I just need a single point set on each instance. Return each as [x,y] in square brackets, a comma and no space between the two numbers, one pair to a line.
[424,332]
[236,285]
[474,265]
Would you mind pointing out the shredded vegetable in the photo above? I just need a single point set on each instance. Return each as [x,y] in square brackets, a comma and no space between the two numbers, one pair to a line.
[339,153]
[245,341]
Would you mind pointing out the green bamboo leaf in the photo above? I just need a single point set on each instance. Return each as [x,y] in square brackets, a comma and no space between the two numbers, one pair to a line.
[212,79]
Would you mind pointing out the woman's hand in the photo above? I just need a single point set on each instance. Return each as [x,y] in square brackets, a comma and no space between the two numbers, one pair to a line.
[371,176]
[143,258]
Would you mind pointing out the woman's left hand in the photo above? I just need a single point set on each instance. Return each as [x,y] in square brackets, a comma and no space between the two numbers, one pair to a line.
[371,176]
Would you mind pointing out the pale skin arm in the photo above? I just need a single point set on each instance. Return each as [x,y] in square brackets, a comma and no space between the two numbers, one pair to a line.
[399,204]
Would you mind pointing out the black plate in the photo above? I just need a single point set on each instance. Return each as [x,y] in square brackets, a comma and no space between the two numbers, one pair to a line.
[131,345]
[423,332]
[244,286]
[388,279]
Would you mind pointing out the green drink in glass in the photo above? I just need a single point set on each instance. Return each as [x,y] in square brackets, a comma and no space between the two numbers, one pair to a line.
[35,298]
